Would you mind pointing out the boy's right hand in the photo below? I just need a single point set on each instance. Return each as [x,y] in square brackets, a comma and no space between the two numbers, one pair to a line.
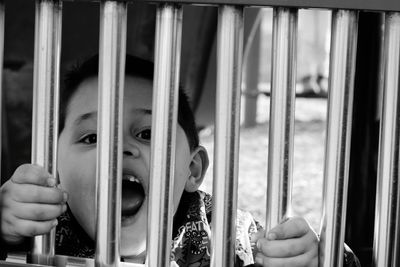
[30,203]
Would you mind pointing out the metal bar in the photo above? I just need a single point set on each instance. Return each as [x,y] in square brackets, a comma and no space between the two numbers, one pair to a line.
[366,5]
[45,105]
[2,15]
[59,261]
[281,129]
[113,16]
[226,140]
[164,123]
[386,237]
[337,150]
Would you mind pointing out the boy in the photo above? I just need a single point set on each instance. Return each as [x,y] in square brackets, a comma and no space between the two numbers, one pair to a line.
[31,204]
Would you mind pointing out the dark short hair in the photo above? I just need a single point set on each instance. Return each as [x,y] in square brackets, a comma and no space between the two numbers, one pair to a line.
[134,66]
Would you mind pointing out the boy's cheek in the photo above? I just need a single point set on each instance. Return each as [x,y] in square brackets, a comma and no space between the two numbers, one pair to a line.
[79,180]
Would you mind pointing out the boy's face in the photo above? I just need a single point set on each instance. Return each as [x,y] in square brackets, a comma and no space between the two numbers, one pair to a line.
[77,160]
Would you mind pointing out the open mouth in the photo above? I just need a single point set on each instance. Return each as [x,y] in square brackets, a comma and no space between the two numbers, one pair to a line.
[132,195]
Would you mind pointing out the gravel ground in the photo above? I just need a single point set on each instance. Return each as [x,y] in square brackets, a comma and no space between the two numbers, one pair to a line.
[307,168]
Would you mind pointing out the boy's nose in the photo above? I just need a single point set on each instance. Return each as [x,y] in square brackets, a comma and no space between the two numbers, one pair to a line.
[131,151]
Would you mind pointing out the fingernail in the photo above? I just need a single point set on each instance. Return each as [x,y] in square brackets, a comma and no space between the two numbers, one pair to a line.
[64,208]
[271,236]
[258,245]
[51,182]
[65,196]
[55,222]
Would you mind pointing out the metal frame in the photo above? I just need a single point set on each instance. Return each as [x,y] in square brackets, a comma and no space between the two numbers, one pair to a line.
[366,5]
[230,44]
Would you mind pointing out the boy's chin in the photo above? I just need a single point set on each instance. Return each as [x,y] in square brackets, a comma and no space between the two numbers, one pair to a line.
[141,258]
[133,244]
[137,255]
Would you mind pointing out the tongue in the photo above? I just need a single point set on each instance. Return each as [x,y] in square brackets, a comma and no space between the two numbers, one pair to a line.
[132,197]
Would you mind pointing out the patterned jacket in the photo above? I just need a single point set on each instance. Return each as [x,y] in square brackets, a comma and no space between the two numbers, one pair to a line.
[191,232]
[190,246]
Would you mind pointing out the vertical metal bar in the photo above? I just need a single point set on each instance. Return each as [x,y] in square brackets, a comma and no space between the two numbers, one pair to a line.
[2,15]
[164,123]
[45,104]
[225,183]
[337,150]
[386,237]
[281,129]
[113,16]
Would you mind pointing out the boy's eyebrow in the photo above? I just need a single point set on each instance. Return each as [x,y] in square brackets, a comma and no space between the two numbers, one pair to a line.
[86,116]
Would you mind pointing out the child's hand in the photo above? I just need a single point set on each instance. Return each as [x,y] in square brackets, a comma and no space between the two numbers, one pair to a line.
[29,204]
[292,243]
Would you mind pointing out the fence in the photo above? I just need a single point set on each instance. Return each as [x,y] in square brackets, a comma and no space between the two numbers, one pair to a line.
[229,57]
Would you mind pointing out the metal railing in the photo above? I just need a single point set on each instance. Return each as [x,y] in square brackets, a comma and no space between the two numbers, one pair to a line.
[230,42]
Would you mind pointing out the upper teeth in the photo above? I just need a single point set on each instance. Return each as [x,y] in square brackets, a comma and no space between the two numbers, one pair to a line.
[131,178]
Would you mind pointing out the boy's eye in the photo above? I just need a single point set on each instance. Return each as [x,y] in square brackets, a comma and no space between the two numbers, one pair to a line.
[89,139]
[144,135]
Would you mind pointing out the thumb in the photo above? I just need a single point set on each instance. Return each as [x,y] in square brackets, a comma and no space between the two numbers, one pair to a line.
[289,228]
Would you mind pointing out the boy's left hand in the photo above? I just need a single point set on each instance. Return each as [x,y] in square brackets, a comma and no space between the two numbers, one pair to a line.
[292,243]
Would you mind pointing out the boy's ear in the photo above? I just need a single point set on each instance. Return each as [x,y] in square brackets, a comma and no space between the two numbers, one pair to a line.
[198,168]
